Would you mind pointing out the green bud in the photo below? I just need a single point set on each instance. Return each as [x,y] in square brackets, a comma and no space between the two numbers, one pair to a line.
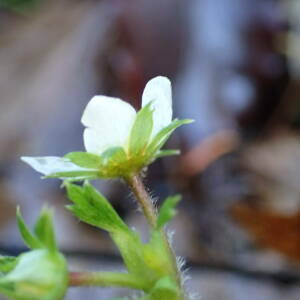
[39,275]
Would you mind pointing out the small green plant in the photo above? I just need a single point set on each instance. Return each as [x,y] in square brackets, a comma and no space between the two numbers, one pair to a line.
[120,143]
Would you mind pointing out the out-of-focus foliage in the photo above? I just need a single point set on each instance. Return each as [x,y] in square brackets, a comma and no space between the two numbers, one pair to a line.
[20,6]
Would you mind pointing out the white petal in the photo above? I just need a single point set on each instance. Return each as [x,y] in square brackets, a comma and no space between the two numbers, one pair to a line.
[159,91]
[108,121]
[93,141]
[52,164]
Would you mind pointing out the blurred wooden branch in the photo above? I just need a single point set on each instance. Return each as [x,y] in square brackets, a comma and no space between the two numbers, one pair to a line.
[206,152]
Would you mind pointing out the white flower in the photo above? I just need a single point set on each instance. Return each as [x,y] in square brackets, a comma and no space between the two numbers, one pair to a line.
[108,123]
[48,165]
[109,120]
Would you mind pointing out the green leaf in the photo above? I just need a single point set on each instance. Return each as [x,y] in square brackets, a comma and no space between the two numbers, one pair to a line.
[162,136]
[85,159]
[7,263]
[115,163]
[93,208]
[44,230]
[167,211]
[141,130]
[7,289]
[43,236]
[29,239]
[169,152]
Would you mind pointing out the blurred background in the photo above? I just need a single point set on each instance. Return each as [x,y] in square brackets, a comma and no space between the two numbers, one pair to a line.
[235,69]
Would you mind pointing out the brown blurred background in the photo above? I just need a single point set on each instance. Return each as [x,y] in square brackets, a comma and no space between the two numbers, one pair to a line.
[235,68]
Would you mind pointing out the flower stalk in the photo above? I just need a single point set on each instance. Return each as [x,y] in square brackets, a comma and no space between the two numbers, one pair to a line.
[146,204]
[104,279]
[119,142]
[144,200]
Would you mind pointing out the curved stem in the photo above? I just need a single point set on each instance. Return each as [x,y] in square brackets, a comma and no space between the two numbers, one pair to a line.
[143,198]
[136,184]
[104,279]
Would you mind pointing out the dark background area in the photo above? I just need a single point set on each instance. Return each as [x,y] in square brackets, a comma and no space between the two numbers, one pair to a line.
[235,69]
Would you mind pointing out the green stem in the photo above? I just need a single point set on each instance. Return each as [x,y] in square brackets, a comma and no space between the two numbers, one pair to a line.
[136,184]
[104,279]
[143,198]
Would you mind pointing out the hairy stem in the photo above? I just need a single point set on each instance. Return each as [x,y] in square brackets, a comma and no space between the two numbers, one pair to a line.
[143,198]
[136,184]
[104,279]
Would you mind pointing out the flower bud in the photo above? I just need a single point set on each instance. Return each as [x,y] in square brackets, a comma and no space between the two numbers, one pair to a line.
[38,275]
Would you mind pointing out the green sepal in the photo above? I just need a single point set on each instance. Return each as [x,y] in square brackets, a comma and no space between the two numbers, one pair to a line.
[162,136]
[114,157]
[169,152]
[115,163]
[85,159]
[7,263]
[141,130]
[167,210]
[112,163]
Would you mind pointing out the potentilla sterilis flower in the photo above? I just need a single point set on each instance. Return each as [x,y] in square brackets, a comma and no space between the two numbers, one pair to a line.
[118,140]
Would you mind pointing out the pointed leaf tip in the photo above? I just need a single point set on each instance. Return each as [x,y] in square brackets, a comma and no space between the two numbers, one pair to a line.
[44,230]
[93,208]
[168,211]
[43,235]
[29,239]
